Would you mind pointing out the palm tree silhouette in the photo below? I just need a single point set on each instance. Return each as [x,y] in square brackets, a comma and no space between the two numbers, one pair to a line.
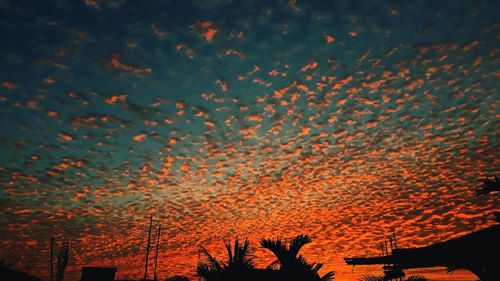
[293,266]
[239,263]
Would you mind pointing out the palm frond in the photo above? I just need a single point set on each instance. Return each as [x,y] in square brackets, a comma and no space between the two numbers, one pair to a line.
[293,263]
[278,248]
[213,262]
[230,253]
[273,265]
[316,266]
[297,243]
[203,270]
[242,256]
[328,276]
[416,278]
[372,278]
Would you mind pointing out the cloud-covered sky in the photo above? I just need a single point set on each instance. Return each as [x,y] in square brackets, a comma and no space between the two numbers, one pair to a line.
[338,119]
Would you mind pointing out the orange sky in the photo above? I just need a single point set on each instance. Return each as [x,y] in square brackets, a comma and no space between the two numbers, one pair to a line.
[342,120]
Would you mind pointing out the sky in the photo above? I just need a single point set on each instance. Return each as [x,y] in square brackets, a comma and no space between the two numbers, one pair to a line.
[227,119]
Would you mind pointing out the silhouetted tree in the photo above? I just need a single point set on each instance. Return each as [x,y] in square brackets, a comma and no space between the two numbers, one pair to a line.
[239,263]
[9,273]
[291,264]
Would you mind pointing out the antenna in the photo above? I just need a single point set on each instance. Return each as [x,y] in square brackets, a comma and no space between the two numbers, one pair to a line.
[386,251]
[394,235]
[157,246]
[382,248]
[147,248]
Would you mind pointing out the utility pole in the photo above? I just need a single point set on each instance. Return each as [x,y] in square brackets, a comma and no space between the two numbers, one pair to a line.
[157,247]
[147,249]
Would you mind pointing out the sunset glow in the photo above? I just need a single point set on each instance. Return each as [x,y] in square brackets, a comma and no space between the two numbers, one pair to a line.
[342,120]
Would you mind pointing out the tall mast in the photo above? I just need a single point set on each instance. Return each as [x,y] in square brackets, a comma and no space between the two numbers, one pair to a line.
[147,249]
[157,246]
[62,260]
[51,258]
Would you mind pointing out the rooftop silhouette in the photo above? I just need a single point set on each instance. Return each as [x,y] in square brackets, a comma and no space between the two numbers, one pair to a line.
[98,273]
[10,273]
[473,252]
